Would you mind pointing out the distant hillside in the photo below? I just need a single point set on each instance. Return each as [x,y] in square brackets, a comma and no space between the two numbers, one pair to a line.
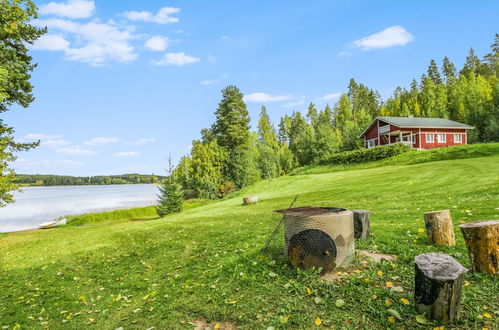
[66,180]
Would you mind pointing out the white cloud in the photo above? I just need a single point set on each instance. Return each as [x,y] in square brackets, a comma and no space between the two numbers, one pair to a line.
[22,164]
[344,54]
[51,42]
[264,97]
[214,81]
[178,59]
[54,143]
[95,43]
[157,43]
[126,154]
[38,136]
[331,96]
[75,150]
[100,140]
[142,141]
[392,36]
[71,9]
[162,17]
[293,104]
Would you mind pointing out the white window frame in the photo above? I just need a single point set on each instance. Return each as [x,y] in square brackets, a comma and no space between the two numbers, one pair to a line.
[430,138]
[441,138]
[458,138]
[371,143]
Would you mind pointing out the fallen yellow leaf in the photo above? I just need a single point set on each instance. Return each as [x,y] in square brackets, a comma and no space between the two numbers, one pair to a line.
[217,326]
[309,292]
[487,315]
[388,301]
[389,284]
[380,273]
[439,328]
[421,230]
[318,321]
[391,319]
[404,301]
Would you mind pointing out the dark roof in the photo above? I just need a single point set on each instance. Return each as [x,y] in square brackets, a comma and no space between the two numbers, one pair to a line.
[423,122]
[418,122]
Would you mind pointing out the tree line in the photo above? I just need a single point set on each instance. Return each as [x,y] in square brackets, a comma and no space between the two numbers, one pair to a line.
[66,180]
[229,156]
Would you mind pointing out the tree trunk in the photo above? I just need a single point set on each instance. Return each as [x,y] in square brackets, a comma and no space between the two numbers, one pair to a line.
[438,284]
[482,241]
[362,224]
[439,228]
[250,200]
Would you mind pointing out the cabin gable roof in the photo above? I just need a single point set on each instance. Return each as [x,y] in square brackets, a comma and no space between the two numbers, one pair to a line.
[418,122]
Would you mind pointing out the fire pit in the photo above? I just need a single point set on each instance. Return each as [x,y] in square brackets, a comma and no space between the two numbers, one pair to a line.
[320,237]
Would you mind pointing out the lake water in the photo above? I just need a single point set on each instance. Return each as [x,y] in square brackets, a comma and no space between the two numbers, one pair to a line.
[38,204]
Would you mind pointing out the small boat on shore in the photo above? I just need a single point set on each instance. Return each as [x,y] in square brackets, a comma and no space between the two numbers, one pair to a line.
[53,223]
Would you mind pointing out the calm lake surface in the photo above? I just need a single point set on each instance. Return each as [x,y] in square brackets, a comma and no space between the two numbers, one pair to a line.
[38,204]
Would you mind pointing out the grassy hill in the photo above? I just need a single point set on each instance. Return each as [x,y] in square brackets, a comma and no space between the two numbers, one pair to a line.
[204,266]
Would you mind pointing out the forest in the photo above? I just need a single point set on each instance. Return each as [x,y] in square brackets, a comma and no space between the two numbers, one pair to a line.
[230,156]
[64,180]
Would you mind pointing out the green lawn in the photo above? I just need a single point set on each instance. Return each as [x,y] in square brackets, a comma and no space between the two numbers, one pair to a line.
[205,264]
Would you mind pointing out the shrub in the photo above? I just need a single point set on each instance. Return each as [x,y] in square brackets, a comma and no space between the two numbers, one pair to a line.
[365,155]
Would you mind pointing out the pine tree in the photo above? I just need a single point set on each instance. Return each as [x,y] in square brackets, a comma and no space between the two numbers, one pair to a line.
[472,64]
[231,127]
[492,58]
[268,147]
[433,73]
[266,131]
[170,198]
[449,70]
[312,115]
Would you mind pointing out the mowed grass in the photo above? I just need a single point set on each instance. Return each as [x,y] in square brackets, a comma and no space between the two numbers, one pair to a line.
[205,265]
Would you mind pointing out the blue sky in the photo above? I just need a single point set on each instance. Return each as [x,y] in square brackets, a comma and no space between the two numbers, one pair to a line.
[121,84]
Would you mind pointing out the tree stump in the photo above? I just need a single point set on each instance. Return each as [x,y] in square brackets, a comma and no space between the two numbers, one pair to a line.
[438,284]
[482,241]
[439,228]
[250,200]
[361,223]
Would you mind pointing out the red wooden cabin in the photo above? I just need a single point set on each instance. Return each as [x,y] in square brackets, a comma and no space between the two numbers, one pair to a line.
[419,133]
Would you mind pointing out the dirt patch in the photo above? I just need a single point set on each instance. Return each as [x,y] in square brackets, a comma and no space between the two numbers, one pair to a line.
[202,324]
[333,276]
[376,257]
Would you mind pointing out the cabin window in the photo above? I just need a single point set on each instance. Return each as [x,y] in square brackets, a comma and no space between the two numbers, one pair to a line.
[441,138]
[371,143]
[458,138]
[430,137]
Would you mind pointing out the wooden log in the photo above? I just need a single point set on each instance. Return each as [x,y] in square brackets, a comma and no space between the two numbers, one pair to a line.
[438,285]
[482,241]
[439,228]
[361,223]
[250,200]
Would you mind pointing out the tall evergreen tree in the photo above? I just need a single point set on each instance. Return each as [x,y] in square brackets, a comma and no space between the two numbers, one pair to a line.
[268,155]
[171,197]
[231,127]
[312,115]
[266,131]
[433,73]
[492,58]
[472,64]
[449,70]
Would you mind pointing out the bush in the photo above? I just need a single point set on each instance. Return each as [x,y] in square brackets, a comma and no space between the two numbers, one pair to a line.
[365,155]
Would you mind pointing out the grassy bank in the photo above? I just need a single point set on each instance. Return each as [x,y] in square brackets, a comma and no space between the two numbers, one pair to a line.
[204,266]
[412,157]
[133,214]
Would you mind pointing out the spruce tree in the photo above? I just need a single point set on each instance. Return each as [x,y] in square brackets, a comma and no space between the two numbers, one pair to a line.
[433,73]
[170,198]
[449,70]
[231,127]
